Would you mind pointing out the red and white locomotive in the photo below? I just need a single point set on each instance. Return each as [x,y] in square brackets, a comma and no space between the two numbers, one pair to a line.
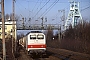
[34,42]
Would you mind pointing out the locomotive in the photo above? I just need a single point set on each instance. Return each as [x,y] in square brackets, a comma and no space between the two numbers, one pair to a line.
[34,42]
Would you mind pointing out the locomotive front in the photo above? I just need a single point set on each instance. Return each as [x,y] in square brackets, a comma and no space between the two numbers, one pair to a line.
[36,42]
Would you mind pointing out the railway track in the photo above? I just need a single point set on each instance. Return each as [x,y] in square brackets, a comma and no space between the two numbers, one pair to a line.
[68,55]
[60,57]
[55,54]
[49,56]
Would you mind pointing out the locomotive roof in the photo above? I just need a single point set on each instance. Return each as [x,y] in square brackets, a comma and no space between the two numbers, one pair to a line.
[34,32]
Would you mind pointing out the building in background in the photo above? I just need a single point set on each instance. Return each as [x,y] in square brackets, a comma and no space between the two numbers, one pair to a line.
[8,29]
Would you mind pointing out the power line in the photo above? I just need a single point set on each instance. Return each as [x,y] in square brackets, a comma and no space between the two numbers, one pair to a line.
[21,5]
[19,9]
[42,7]
[49,2]
[28,9]
[35,5]
[49,8]
[85,8]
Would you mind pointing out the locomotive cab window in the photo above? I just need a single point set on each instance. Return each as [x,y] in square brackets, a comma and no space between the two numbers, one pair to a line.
[40,37]
[32,36]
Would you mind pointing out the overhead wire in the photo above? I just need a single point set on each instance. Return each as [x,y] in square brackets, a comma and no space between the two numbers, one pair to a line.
[29,1]
[42,7]
[21,11]
[35,5]
[19,8]
[49,8]
[24,6]
[36,8]
[85,8]
[43,2]
[21,5]
[28,10]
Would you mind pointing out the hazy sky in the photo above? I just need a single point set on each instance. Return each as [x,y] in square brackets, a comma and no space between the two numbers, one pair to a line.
[36,9]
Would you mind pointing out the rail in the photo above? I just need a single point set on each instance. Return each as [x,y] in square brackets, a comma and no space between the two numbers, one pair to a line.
[69,54]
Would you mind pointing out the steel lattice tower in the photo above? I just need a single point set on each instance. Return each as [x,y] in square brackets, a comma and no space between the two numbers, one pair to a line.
[74,15]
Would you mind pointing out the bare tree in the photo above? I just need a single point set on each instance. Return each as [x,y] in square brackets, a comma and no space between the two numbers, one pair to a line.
[49,35]
[7,17]
[17,17]
[0,18]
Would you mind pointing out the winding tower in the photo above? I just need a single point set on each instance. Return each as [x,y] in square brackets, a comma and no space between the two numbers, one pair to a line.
[74,15]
